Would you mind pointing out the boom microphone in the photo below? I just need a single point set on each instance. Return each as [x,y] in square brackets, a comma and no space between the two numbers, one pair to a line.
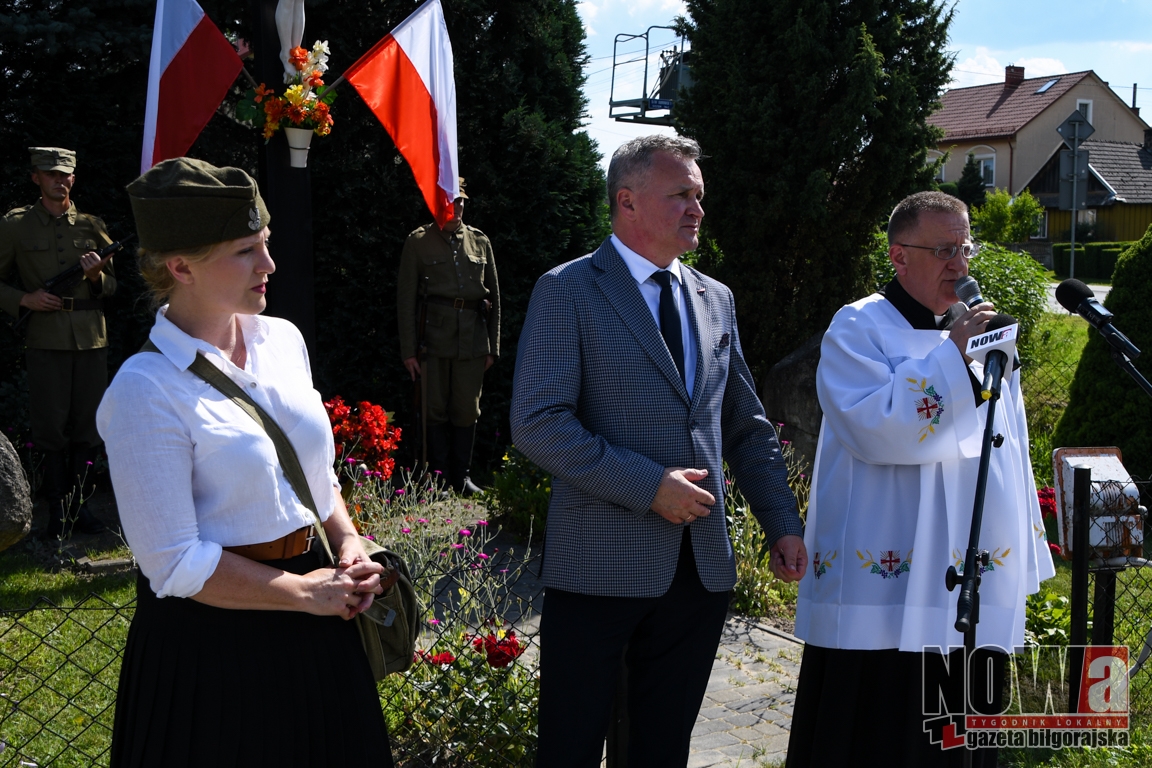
[1076,297]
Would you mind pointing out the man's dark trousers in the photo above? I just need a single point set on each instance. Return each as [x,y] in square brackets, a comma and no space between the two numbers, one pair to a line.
[671,644]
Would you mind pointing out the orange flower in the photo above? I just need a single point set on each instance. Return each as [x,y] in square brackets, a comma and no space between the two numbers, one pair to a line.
[298,57]
[274,109]
[296,114]
[316,79]
[261,92]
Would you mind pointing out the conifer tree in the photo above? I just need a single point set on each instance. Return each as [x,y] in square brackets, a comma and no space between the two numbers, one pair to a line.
[971,188]
[813,117]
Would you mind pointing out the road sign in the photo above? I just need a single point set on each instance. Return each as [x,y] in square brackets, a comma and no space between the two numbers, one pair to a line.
[1066,177]
[1075,129]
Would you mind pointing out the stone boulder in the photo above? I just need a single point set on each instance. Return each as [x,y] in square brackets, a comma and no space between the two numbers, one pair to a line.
[789,397]
[15,497]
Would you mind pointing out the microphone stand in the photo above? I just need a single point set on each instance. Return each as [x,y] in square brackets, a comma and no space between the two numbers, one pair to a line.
[1125,363]
[968,603]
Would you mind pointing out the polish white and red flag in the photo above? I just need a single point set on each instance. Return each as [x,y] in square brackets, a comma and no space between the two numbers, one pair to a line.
[406,79]
[192,67]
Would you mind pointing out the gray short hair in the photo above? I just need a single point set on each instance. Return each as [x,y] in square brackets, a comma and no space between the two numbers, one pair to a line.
[906,215]
[631,162]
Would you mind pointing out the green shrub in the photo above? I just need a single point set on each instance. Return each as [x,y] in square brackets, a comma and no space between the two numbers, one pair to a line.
[1004,219]
[758,593]
[1094,261]
[1105,406]
[519,494]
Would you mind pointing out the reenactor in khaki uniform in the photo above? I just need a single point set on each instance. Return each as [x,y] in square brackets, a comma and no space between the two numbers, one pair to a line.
[66,341]
[448,279]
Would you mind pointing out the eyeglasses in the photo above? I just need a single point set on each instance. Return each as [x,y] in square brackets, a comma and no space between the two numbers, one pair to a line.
[946,252]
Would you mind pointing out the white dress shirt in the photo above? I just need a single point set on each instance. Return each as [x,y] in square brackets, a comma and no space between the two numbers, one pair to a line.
[192,472]
[642,270]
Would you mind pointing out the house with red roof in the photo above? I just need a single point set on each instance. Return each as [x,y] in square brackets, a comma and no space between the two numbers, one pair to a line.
[1010,127]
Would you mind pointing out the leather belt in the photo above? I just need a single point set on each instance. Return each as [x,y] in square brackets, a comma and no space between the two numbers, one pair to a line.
[75,305]
[296,543]
[475,305]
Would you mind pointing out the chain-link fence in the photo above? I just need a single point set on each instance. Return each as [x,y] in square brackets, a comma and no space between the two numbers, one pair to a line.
[469,698]
[1111,574]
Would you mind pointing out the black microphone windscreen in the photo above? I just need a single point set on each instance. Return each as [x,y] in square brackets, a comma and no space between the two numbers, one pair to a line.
[1071,293]
[1002,320]
[968,290]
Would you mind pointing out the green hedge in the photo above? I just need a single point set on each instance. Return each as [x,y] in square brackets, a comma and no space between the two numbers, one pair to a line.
[1105,407]
[1094,261]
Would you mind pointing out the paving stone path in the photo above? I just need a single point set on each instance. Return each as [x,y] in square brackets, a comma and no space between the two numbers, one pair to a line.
[747,710]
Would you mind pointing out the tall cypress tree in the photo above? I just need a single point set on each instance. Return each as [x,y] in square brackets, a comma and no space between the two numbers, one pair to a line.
[970,188]
[813,117]
[76,72]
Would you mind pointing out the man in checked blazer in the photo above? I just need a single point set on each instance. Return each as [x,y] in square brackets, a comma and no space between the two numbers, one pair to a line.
[631,389]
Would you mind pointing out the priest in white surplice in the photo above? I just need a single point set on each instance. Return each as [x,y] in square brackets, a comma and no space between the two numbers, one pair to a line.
[891,506]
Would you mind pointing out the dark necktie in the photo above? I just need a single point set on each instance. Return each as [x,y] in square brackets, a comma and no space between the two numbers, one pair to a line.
[670,320]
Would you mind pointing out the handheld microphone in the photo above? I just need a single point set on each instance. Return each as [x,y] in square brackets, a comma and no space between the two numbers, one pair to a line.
[968,291]
[1076,297]
[992,348]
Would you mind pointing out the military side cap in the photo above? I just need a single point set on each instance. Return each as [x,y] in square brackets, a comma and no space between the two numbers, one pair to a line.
[53,159]
[185,203]
[462,194]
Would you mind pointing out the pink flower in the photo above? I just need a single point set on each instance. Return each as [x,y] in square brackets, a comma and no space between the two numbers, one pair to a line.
[481,522]
[399,491]
[422,520]
[433,622]
[448,521]
[370,537]
[465,532]
[405,530]
[457,546]
[482,556]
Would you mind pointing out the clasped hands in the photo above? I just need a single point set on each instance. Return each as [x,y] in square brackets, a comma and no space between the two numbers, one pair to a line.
[355,581]
[679,500]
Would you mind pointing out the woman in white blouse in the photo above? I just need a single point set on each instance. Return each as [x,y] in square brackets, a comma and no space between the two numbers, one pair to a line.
[240,652]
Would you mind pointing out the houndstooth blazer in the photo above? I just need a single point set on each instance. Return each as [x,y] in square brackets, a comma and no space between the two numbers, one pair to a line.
[598,402]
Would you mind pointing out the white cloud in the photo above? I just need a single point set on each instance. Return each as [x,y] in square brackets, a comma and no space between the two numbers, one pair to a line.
[985,67]
[980,69]
[1041,67]
[1132,46]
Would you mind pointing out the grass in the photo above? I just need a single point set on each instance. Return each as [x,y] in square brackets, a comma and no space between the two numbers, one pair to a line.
[59,663]
[1048,371]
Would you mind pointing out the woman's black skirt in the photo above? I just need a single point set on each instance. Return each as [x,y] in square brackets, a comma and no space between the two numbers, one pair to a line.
[210,686]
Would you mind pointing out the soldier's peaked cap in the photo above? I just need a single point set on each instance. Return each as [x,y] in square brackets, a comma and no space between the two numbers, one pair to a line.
[53,159]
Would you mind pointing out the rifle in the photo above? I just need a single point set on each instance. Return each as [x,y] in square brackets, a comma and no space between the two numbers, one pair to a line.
[71,277]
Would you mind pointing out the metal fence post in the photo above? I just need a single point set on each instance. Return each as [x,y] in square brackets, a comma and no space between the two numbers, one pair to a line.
[1081,502]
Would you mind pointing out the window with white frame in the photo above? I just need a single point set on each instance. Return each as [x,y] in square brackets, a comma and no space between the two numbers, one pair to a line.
[1041,231]
[1085,107]
[987,166]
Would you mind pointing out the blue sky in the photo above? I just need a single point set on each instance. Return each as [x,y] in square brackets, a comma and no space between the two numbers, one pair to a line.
[1112,37]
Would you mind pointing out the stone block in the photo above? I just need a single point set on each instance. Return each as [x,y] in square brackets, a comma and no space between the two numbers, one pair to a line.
[15,497]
